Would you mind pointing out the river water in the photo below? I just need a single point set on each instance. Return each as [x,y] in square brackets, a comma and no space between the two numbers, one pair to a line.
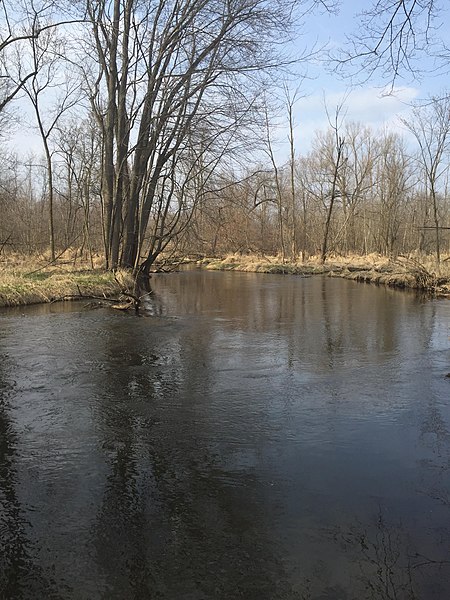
[253,436]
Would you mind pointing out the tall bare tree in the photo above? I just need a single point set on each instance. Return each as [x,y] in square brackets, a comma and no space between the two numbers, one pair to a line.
[430,126]
[290,101]
[77,161]
[393,182]
[391,38]
[23,22]
[278,196]
[165,71]
[355,179]
[49,79]
[336,158]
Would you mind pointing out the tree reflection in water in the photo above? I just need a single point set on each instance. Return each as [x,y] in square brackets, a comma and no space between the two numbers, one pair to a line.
[170,525]
[264,438]
[20,576]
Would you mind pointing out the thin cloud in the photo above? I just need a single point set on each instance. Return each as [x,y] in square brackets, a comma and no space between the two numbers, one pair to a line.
[369,106]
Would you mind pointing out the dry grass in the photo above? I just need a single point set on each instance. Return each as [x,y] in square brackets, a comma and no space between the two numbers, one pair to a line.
[25,280]
[32,281]
[275,264]
[404,272]
[258,264]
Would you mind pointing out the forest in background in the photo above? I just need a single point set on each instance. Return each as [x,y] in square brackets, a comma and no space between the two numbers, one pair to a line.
[159,133]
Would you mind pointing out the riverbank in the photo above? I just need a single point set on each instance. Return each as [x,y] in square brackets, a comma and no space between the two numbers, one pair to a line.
[22,284]
[404,273]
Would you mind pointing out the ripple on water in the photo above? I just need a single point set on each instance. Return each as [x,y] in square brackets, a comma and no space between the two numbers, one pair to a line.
[277,439]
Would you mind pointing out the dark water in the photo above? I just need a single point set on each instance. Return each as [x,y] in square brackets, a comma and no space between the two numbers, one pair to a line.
[259,437]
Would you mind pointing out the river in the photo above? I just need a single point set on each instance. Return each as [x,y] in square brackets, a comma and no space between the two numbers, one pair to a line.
[252,436]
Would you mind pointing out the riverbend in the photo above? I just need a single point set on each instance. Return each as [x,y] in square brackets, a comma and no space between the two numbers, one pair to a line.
[250,436]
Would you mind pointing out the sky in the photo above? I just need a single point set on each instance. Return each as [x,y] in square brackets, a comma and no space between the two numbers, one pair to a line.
[374,103]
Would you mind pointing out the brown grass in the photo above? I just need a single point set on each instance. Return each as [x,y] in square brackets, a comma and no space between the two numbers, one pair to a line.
[404,272]
[25,280]
[31,281]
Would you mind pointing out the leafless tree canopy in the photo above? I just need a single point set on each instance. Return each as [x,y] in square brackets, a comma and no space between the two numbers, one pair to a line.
[158,135]
[392,36]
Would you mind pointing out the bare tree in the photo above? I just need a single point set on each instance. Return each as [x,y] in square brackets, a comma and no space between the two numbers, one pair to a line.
[290,100]
[392,35]
[166,70]
[48,76]
[278,185]
[430,125]
[393,183]
[355,180]
[23,22]
[337,159]
[78,152]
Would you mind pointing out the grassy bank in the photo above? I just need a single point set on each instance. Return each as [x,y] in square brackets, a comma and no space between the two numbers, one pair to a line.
[24,281]
[31,283]
[404,272]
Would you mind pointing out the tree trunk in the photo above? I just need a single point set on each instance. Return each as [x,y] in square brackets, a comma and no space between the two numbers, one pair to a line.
[340,145]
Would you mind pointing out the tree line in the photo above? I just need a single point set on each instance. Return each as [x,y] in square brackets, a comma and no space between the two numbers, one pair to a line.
[157,138]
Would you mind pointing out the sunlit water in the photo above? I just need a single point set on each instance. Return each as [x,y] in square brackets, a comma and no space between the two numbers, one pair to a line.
[253,436]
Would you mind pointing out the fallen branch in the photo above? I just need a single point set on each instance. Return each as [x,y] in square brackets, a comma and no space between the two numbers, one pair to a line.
[117,303]
[424,279]
[84,297]
[55,260]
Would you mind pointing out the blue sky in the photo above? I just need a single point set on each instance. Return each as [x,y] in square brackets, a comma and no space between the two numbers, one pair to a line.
[372,103]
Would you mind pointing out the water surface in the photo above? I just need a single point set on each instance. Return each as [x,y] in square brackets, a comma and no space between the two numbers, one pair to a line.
[254,436]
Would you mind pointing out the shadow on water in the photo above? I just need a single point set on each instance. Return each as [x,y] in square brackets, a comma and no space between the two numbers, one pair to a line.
[389,566]
[170,525]
[20,577]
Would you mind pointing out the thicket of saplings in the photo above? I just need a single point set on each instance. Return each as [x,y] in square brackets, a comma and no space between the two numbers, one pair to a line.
[377,200]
